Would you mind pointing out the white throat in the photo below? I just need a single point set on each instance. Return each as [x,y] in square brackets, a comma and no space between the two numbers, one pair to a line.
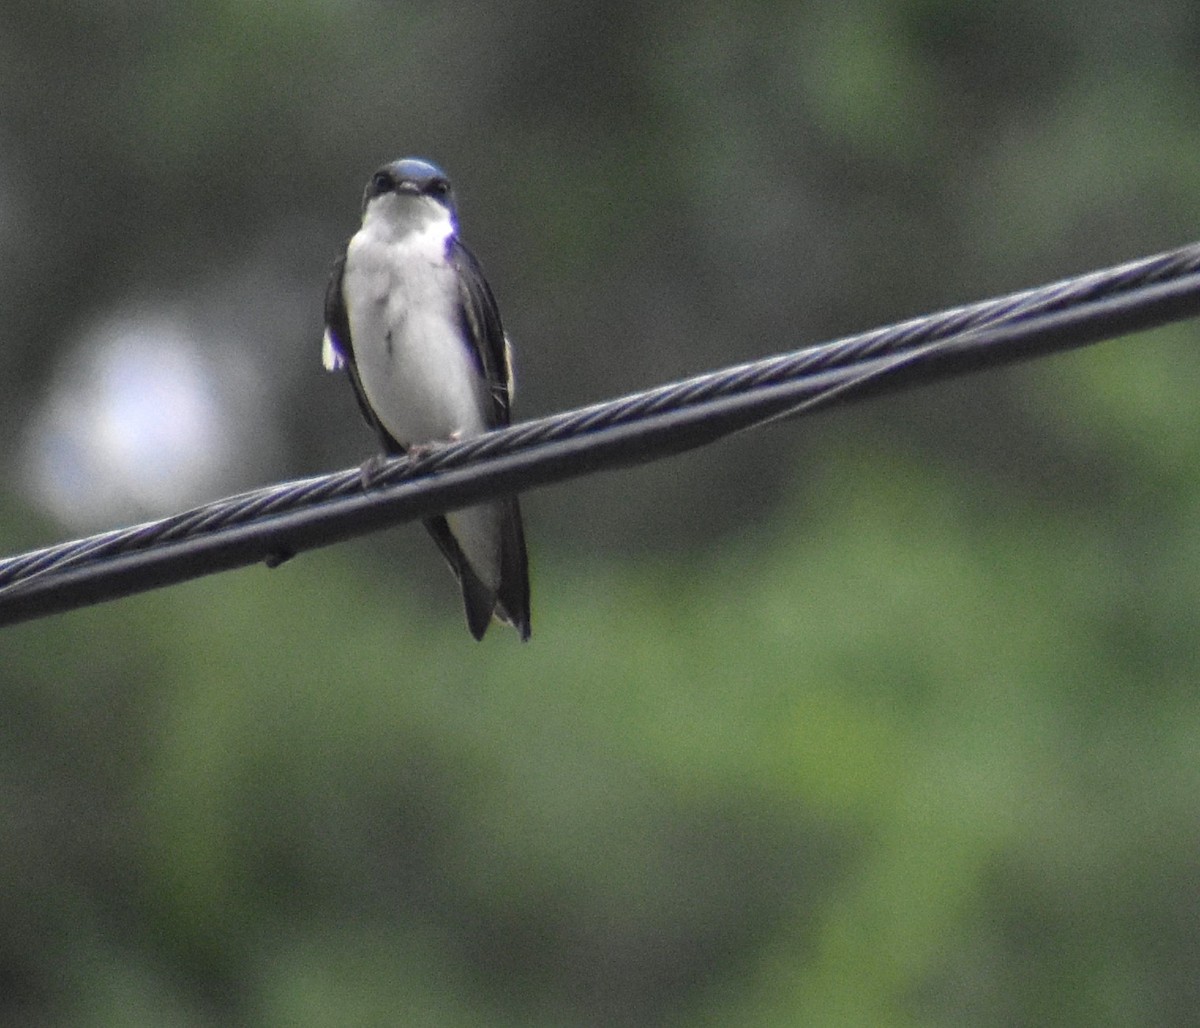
[394,217]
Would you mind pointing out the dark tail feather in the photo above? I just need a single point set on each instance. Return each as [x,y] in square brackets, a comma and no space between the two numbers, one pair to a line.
[513,598]
[478,599]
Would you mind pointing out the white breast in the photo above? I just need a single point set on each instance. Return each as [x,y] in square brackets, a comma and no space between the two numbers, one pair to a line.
[402,301]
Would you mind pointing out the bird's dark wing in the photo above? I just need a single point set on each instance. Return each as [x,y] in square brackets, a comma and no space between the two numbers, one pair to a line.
[337,351]
[481,322]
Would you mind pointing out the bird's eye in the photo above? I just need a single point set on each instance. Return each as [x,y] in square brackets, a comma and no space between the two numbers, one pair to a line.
[439,187]
[382,183]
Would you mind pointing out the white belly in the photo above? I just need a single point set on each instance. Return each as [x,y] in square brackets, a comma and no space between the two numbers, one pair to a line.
[417,370]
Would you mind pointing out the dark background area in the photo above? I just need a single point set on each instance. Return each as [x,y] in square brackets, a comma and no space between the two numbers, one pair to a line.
[887,716]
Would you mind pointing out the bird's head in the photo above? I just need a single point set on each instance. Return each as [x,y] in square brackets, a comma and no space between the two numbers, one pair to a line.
[411,189]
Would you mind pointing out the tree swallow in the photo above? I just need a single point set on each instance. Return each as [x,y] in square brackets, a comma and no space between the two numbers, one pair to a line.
[412,321]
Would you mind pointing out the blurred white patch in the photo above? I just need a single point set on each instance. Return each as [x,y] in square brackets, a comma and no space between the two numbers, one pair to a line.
[141,423]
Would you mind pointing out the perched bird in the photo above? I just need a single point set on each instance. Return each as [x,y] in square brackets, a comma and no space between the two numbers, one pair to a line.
[412,321]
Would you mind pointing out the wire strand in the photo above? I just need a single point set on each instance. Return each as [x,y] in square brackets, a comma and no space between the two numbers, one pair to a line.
[275,523]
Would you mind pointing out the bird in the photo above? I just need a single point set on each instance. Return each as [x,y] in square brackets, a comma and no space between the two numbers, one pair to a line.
[411,320]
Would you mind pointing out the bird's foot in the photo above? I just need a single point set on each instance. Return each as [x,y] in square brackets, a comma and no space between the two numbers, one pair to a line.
[371,468]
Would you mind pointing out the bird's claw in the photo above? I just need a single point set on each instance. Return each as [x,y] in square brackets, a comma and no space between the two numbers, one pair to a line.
[371,467]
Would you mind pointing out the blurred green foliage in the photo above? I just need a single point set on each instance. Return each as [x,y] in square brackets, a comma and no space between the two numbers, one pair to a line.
[931,760]
[887,717]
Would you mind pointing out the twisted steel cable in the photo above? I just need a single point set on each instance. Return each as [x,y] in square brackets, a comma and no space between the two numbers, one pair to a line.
[276,522]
